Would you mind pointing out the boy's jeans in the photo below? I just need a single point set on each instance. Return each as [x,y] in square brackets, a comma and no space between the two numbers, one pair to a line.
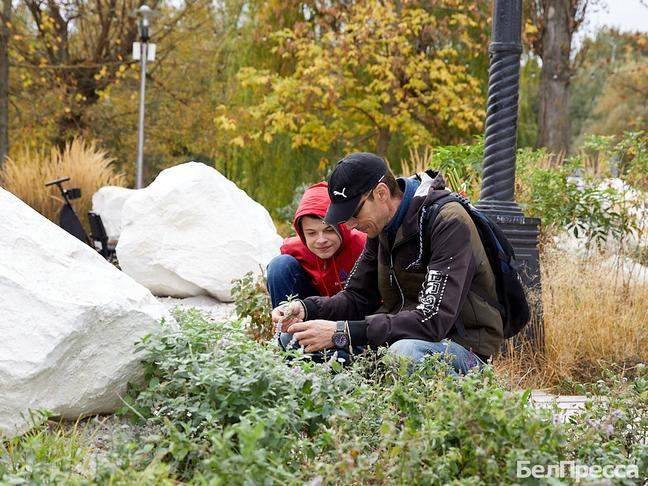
[286,277]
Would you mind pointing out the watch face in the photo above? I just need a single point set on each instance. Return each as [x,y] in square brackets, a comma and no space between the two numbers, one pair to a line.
[340,340]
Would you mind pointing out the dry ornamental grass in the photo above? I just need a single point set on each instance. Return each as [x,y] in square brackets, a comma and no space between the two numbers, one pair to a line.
[595,318]
[88,167]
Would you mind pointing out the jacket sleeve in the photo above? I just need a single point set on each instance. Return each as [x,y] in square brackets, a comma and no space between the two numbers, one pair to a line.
[360,296]
[450,271]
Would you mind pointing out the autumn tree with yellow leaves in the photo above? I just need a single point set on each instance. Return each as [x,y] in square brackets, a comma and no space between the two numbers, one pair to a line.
[389,69]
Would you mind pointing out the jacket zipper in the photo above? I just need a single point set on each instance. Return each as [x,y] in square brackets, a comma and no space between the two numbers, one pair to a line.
[392,272]
[392,279]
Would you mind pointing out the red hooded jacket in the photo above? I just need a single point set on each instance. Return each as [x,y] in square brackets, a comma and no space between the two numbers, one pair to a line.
[328,276]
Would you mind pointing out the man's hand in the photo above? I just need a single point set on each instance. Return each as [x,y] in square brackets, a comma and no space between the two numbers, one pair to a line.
[314,335]
[288,314]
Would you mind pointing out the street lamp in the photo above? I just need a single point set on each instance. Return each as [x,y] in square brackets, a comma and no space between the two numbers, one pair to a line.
[142,51]
[497,197]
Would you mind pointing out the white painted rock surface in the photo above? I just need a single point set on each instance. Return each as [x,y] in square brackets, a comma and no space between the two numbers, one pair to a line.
[69,321]
[108,203]
[217,310]
[192,231]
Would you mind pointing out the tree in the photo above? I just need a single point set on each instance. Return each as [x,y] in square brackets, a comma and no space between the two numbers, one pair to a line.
[390,68]
[5,19]
[623,103]
[607,54]
[556,22]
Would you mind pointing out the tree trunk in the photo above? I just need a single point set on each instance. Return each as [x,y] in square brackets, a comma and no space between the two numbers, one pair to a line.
[554,128]
[382,144]
[4,81]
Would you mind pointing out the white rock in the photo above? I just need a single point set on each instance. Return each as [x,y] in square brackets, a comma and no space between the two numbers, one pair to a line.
[634,201]
[192,231]
[214,308]
[108,203]
[69,321]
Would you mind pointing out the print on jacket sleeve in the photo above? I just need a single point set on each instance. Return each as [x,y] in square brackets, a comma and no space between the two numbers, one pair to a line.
[431,295]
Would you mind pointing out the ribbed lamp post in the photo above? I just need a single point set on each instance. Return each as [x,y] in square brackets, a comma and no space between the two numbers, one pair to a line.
[497,198]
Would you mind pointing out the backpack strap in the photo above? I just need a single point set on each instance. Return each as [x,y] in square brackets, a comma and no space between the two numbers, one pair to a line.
[429,214]
[427,218]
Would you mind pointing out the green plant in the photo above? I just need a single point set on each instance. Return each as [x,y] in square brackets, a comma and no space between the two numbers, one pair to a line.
[251,301]
[583,207]
[49,453]
[217,407]
[217,403]
[613,429]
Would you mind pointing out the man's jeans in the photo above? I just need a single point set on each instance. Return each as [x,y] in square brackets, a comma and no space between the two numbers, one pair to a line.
[459,357]
[287,277]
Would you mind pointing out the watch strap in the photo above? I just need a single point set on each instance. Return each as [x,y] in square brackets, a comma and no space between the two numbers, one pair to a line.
[340,326]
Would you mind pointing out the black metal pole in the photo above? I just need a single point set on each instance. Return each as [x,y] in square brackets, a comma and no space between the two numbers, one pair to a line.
[498,176]
[497,198]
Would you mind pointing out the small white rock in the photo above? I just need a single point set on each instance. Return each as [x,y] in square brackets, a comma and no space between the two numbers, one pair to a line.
[108,203]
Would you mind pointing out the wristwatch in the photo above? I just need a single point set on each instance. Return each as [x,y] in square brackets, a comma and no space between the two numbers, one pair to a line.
[340,337]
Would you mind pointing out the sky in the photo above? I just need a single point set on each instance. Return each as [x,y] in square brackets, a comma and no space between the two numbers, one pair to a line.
[627,15]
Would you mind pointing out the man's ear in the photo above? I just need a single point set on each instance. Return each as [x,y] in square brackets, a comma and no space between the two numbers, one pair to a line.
[382,191]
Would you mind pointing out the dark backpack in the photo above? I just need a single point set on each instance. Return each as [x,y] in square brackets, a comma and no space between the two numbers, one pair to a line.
[511,298]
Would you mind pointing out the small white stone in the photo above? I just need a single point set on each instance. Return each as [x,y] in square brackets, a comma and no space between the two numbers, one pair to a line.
[108,203]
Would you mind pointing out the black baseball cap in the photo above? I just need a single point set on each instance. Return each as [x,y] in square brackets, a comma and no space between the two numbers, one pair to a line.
[354,175]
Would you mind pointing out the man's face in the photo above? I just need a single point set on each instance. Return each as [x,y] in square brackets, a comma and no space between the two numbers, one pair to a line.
[372,214]
[321,238]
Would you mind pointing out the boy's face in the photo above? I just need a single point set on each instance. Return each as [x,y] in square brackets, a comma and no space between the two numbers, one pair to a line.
[320,238]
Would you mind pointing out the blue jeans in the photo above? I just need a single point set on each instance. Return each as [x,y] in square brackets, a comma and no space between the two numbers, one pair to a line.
[459,357]
[287,277]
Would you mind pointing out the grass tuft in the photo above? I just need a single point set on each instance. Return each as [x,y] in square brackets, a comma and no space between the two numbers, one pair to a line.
[594,319]
[88,167]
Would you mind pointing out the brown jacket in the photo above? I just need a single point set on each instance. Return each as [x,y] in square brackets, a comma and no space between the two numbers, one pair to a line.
[391,295]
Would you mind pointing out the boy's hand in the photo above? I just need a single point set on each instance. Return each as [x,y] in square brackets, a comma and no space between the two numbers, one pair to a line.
[288,314]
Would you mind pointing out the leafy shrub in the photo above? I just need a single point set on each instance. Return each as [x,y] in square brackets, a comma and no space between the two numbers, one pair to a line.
[614,430]
[88,167]
[251,301]
[428,428]
[459,164]
[221,404]
[217,407]
[580,206]
[610,156]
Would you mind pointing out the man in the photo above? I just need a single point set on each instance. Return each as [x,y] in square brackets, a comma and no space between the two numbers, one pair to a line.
[419,297]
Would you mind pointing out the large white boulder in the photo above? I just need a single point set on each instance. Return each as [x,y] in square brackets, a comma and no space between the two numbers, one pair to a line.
[192,231]
[69,321]
[108,202]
